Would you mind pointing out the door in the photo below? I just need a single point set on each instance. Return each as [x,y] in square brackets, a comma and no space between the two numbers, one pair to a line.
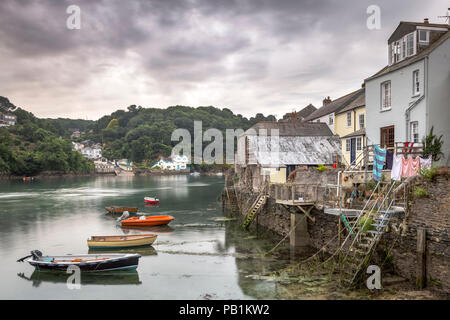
[387,137]
[352,150]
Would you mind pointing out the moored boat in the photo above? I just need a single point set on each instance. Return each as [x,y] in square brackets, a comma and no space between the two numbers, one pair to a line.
[147,221]
[116,209]
[121,241]
[86,262]
[151,200]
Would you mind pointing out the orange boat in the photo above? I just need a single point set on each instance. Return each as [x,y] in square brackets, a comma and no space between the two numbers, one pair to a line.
[147,221]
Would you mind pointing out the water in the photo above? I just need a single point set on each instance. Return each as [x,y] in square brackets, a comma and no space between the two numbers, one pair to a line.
[198,256]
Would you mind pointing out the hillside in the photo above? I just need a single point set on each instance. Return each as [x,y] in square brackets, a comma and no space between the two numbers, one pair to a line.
[139,134]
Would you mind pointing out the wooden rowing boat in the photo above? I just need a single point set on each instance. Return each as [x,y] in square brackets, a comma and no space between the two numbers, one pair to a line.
[86,262]
[122,241]
[115,209]
[147,221]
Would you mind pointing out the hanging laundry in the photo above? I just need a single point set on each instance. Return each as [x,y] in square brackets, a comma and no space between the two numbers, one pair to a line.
[396,172]
[389,159]
[410,166]
[425,162]
[379,157]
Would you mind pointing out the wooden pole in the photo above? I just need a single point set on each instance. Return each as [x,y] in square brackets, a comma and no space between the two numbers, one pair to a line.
[421,276]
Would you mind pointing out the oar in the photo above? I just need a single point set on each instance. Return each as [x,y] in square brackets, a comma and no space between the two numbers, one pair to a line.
[21,259]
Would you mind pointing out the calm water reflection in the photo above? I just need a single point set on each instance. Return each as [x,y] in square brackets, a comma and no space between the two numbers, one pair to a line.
[196,256]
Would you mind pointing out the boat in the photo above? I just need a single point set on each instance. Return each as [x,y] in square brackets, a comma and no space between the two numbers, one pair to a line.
[195,174]
[86,262]
[147,221]
[121,241]
[151,200]
[116,209]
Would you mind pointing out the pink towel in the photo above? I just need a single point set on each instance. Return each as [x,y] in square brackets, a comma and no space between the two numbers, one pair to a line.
[410,166]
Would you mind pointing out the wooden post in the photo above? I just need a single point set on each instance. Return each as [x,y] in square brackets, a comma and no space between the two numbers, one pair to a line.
[421,275]
[339,229]
[292,191]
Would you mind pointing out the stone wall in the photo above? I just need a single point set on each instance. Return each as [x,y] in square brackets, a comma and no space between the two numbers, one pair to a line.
[432,214]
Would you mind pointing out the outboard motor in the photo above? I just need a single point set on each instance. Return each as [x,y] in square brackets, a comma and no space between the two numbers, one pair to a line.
[36,254]
[124,216]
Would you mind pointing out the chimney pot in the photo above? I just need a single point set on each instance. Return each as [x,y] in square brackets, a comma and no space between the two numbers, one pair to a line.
[425,20]
[326,100]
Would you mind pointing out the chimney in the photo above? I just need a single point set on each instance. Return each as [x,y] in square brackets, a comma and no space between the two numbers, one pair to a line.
[326,100]
[425,20]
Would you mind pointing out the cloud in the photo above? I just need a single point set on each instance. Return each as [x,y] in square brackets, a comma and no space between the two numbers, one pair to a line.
[249,56]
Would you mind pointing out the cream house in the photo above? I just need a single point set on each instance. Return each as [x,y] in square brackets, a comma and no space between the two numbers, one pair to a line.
[350,124]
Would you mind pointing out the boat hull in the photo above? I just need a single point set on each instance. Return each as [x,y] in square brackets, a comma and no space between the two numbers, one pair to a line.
[119,262]
[127,243]
[121,209]
[149,221]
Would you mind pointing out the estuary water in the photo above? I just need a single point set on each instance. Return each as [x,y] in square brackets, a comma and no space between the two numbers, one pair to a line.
[200,255]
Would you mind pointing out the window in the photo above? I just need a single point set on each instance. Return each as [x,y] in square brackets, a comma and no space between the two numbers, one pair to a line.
[414,131]
[416,82]
[358,144]
[403,48]
[423,36]
[330,119]
[387,137]
[347,144]
[349,119]
[410,48]
[386,95]
[361,121]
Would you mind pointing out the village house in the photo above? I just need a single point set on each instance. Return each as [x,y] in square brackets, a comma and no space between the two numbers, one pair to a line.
[410,95]
[176,162]
[7,119]
[350,126]
[275,149]
[330,108]
[299,116]
[104,166]
[88,150]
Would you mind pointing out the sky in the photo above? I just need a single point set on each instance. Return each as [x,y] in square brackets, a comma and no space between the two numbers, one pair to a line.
[251,56]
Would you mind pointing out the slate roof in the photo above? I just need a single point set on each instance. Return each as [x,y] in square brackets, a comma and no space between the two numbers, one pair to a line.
[291,128]
[410,60]
[360,132]
[335,105]
[360,101]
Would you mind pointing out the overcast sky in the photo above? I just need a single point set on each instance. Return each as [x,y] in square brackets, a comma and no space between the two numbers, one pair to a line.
[248,56]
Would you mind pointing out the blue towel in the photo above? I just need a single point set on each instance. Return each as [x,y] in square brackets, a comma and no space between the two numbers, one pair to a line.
[379,157]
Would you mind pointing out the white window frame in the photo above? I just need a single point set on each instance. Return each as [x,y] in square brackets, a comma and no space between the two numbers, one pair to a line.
[348,143]
[416,82]
[414,130]
[330,119]
[361,117]
[411,43]
[386,99]
[358,141]
[427,33]
[349,119]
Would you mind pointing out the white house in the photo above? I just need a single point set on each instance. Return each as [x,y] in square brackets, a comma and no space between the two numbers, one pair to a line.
[93,152]
[330,108]
[7,119]
[175,163]
[412,93]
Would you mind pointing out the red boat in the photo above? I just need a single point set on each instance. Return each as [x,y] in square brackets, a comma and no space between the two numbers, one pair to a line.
[151,200]
[147,221]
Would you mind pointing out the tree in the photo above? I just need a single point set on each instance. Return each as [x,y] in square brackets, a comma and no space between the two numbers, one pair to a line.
[432,145]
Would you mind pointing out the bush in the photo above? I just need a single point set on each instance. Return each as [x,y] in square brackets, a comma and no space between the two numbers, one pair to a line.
[420,192]
[428,173]
[321,168]
[366,224]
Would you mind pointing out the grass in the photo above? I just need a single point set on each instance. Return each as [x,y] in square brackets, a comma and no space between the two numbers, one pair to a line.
[420,192]
[428,173]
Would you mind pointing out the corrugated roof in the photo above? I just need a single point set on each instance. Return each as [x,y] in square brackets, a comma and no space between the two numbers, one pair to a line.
[357,103]
[335,105]
[295,150]
[412,59]
[291,128]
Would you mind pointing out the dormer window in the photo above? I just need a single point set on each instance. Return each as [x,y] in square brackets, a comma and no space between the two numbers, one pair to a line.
[424,37]
[410,48]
